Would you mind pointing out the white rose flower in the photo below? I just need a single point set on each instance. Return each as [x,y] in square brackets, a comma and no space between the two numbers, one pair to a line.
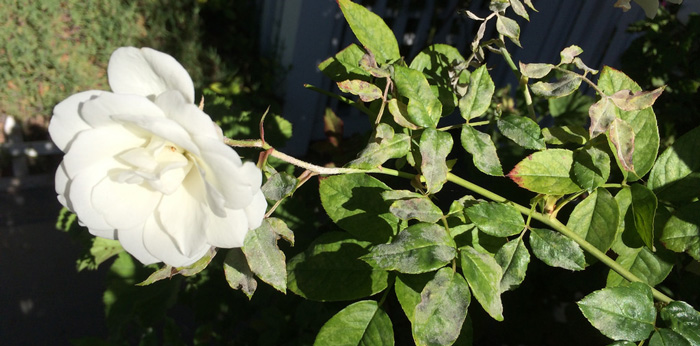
[145,166]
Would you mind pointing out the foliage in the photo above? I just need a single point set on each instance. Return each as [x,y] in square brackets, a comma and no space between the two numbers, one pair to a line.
[408,242]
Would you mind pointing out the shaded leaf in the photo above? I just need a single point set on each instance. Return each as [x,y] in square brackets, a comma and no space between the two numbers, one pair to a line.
[344,65]
[559,135]
[408,288]
[667,337]
[676,174]
[684,320]
[556,250]
[439,316]
[371,31]
[595,219]
[513,259]
[360,323]
[591,168]
[353,202]
[330,270]
[521,130]
[682,231]
[238,273]
[421,209]
[644,206]
[484,277]
[420,248]
[482,149]
[384,146]
[546,172]
[644,264]
[167,271]
[496,219]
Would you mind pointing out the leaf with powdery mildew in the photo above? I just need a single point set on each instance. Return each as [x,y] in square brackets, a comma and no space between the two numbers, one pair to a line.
[371,31]
[484,277]
[366,91]
[434,147]
[546,172]
[602,114]
[482,149]
[362,323]
[621,135]
[633,101]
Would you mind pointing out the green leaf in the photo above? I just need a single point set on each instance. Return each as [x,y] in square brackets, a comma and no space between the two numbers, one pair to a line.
[360,323]
[330,270]
[508,28]
[643,122]
[496,219]
[546,172]
[353,202]
[602,114]
[385,145]
[682,231]
[279,185]
[484,277]
[421,209]
[345,65]
[367,92]
[643,263]
[168,271]
[371,31]
[667,337]
[644,206]
[439,316]
[559,135]
[408,288]
[591,168]
[265,259]
[621,313]
[482,149]
[238,273]
[563,87]
[513,258]
[676,174]
[522,130]
[424,108]
[633,101]
[434,147]
[519,9]
[595,219]
[684,320]
[536,70]
[399,112]
[556,250]
[621,135]
[569,53]
[101,250]
[478,97]
[420,248]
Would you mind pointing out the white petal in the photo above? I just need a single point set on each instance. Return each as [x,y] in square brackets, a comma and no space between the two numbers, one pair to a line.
[79,195]
[61,185]
[147,72]
[124,205]
[162,246]
[161,127]
[99,111]
[183,215]
[94,145]
[228,232]
[66,122]
[132,241]
[104,233]
[188,115]
[256,210]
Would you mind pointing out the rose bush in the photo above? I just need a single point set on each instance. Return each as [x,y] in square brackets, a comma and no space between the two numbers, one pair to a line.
[147,167]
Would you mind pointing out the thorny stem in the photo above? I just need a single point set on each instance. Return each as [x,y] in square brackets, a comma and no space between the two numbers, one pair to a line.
[545,219]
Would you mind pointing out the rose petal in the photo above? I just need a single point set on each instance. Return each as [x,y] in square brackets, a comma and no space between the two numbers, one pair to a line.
[147,72]
[62,183]
[92,146]
[227,232]
[191,118]
[256,210]
[99,111]
[79,194]
[183,214]
[124,205]
[104,233]
[162,127]
[162,246]
[66,121]
[132,241]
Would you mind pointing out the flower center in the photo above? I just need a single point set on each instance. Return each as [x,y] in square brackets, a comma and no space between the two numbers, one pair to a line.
[160,164]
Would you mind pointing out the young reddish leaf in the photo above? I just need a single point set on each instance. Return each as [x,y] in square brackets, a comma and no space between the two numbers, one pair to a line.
[333,127]
[602,114]
[632,101]
[622,137]
[366,91]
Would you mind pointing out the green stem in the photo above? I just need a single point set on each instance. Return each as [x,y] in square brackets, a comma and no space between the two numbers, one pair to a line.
[557,225]
[522,79]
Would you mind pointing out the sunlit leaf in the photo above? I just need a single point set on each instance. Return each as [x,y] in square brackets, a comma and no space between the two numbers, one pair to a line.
[521,130]
[667,337]
[559,135]
[684,320]
[279,185]
[535,70]
[384,146]
[676,174]
[484,277]
[546,172]
[361,323]
[569,53]
[496,219]
[371,31]
[595,219]
[421,209]
[265,258]
[366,91]
[408,288]
[482,149]
[556,250]
[602,114]
[621,313]
[424,108]
[508,28]
[519,9]
[643,263]
[591,168]
[478,97]
[621,135]
[563,87]
[434,147]
[633,101]
[513,258]
[417,249]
